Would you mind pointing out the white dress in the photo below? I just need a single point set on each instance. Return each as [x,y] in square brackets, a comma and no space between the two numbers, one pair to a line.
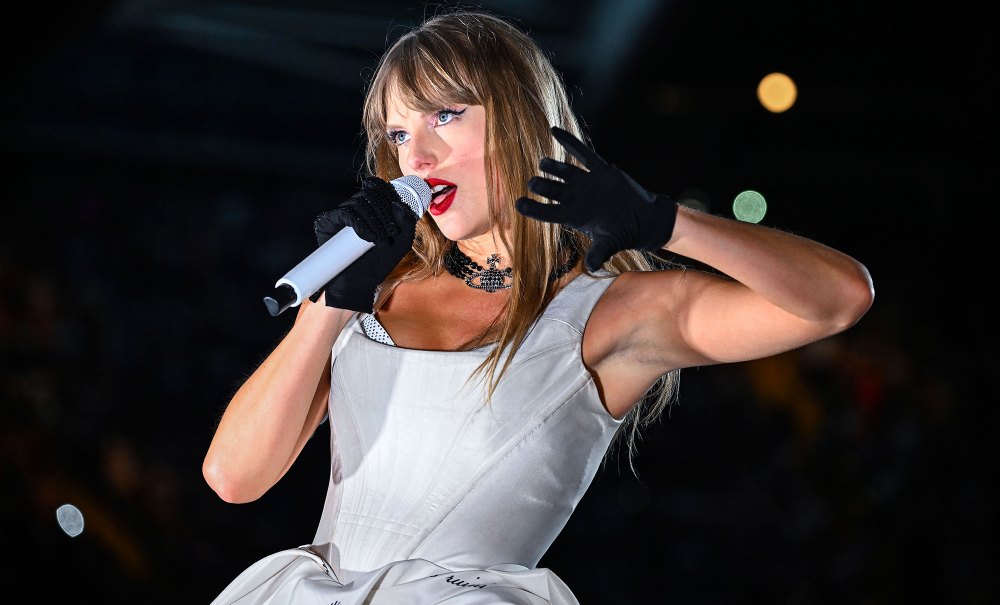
[435,496]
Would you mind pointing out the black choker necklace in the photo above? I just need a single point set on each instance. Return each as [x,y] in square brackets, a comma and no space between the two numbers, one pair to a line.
[492,279]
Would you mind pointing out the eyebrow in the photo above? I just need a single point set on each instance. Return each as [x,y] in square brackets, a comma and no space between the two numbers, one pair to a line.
[390,126]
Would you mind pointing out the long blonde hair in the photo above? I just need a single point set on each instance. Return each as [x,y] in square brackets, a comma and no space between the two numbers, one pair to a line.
[473,57]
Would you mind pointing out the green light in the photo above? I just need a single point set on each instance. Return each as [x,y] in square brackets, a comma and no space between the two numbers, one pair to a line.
[749,206]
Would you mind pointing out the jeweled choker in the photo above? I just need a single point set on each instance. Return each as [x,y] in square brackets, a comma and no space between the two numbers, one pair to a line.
[492,279]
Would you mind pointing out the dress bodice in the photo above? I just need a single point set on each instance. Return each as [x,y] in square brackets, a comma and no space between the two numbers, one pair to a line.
[423,467]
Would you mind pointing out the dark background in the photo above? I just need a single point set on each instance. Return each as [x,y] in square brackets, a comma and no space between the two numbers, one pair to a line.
[162,165]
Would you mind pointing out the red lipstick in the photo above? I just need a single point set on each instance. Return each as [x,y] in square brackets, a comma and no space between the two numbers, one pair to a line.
[443,196]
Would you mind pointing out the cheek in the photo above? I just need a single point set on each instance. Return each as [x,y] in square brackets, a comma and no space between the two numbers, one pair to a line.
[474,164]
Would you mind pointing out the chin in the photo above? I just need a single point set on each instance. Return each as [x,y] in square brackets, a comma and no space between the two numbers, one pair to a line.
[457,230]
[447,229]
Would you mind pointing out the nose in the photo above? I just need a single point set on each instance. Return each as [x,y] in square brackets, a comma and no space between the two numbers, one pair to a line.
[421,153]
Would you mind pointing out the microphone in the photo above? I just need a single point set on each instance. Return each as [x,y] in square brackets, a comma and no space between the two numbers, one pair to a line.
[338,252]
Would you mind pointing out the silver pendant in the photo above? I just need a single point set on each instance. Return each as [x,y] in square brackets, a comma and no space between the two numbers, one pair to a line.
[491,279]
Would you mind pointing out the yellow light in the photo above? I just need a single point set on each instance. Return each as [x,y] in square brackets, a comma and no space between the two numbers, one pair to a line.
[776,92]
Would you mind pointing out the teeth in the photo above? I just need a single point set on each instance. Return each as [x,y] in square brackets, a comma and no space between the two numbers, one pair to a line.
[438,188]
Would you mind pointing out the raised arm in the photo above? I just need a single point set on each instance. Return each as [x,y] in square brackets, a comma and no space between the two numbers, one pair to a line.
[779,291]
[782,291]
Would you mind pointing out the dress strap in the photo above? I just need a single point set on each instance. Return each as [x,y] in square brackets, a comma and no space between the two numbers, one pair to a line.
[573,304]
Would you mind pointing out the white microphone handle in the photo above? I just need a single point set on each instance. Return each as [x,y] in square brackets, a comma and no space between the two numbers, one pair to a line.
[345,247]
[325,263]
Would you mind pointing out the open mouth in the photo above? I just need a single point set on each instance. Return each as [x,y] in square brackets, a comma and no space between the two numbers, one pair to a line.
[439,191]
[442,195]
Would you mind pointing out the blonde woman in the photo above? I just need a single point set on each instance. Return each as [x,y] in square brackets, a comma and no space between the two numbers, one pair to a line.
[475,366]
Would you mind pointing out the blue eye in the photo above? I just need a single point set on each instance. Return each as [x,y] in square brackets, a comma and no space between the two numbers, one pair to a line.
[447,115]
[396,137]
[441,118]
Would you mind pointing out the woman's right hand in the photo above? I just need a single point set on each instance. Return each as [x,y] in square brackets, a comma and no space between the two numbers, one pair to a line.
[377,215]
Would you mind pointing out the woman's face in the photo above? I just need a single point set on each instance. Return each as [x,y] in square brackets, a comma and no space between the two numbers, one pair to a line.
[446,148]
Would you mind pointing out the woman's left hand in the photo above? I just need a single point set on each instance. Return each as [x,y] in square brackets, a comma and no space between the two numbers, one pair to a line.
[640,220]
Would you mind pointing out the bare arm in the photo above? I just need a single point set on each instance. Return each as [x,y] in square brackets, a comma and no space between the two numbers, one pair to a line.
[785,291]
[791,290]
[270,418]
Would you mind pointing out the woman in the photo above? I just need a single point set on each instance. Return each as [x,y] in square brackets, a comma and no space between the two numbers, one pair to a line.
[476,364]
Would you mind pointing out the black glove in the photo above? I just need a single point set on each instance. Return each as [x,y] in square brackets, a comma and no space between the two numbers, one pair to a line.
[610,208]
[378,215]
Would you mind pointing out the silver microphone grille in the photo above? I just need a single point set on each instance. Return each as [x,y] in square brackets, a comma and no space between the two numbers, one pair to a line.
[415,193]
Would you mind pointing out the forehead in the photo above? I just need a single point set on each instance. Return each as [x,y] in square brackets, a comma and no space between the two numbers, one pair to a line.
[398,105]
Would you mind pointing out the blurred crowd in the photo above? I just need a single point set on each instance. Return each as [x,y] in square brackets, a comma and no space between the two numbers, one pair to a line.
[854,470]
